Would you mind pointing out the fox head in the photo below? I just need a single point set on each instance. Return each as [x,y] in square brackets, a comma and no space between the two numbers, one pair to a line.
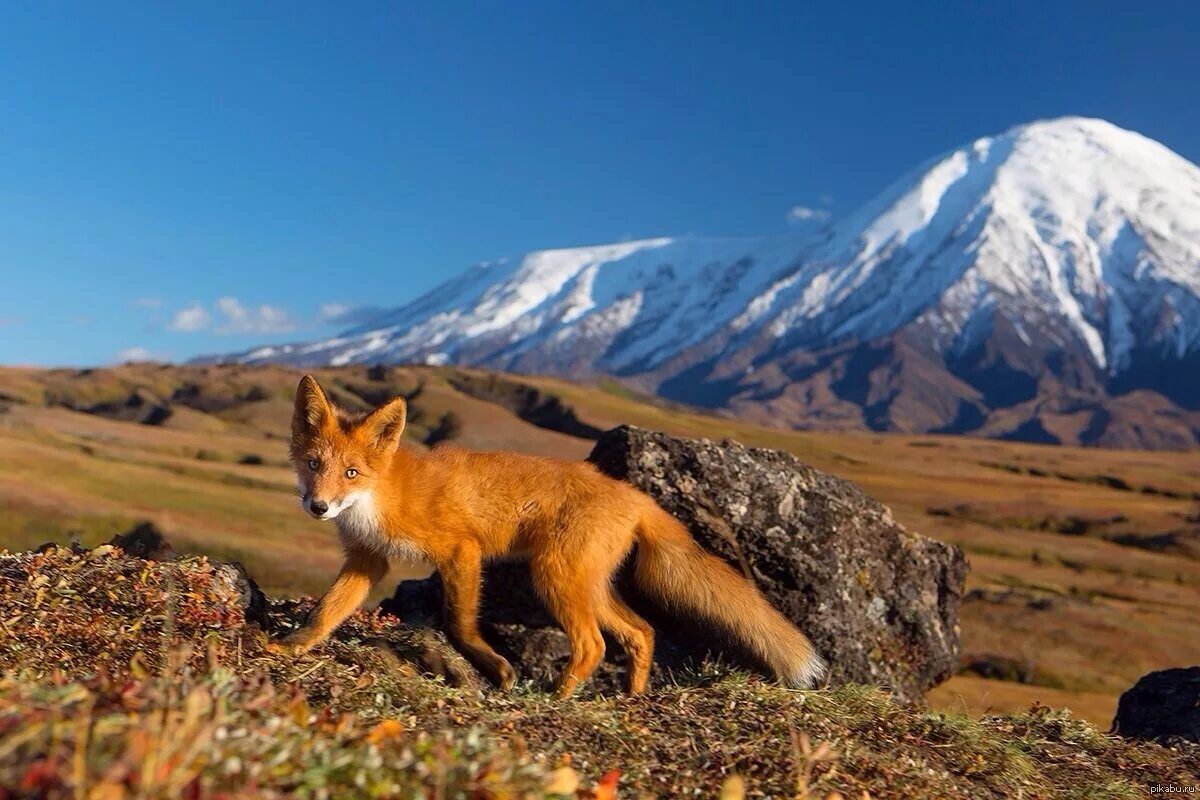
[338,455]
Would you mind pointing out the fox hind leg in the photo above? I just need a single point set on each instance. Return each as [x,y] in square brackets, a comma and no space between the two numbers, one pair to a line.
[634,634]
[572,601]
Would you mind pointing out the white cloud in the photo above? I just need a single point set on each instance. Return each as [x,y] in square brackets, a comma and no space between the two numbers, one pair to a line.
[229,316]
[134,354]
[802,214]
[191,319]
[346,314]
[263,319]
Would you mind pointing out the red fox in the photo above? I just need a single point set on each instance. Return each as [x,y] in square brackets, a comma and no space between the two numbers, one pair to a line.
[574,525]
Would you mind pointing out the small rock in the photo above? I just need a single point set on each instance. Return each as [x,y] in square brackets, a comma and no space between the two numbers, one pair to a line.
[1161,706]
[101,551]
[253,601]
[146,541]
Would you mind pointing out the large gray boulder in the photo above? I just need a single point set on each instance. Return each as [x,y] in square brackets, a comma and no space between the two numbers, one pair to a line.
[879,602]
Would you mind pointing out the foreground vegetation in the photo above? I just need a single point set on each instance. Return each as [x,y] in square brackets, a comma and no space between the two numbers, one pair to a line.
[126,677]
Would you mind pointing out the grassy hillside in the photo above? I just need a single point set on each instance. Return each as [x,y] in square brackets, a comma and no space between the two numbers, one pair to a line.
[187,702]
[1085,563]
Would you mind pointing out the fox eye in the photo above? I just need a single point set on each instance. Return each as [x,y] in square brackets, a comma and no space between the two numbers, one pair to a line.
[313,464]
[352,472]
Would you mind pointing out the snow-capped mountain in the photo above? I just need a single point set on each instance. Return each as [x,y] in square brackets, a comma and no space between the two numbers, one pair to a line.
[1024,284]
[612,306]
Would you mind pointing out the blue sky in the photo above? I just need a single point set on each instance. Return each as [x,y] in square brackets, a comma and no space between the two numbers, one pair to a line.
[178,180]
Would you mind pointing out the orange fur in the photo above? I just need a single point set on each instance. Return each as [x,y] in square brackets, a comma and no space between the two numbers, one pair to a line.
[573,524]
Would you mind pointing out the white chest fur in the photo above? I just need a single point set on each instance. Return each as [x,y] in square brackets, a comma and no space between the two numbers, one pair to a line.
[360,525]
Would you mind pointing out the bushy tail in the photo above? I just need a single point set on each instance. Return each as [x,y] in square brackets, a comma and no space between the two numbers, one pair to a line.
[672,567]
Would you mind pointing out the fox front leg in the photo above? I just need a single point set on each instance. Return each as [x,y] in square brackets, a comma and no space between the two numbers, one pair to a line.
[358,576]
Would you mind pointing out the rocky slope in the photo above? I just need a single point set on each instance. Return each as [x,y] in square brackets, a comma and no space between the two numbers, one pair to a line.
[1042,284]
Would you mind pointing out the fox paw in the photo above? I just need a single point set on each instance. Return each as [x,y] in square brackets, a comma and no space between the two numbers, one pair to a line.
[501,673]
[508,676]
[292,645]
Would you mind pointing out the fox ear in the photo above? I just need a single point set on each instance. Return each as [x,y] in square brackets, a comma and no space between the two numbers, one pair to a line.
[312,408]
[384,425]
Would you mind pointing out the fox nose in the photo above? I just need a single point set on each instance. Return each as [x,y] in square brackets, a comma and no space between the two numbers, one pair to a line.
[318,507]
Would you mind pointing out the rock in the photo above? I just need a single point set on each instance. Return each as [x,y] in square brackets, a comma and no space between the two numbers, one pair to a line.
[146,541]
[250,596]
[1162,706]
[49,547]
[879,602]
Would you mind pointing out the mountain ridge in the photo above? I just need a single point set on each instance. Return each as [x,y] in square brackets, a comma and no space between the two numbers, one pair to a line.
[1056,264]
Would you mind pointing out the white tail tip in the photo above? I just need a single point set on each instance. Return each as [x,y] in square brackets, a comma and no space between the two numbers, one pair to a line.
[807,675]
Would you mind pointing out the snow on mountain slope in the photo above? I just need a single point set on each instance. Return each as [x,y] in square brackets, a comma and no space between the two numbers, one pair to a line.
[1067,228]
[1067,247]
[657,296]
